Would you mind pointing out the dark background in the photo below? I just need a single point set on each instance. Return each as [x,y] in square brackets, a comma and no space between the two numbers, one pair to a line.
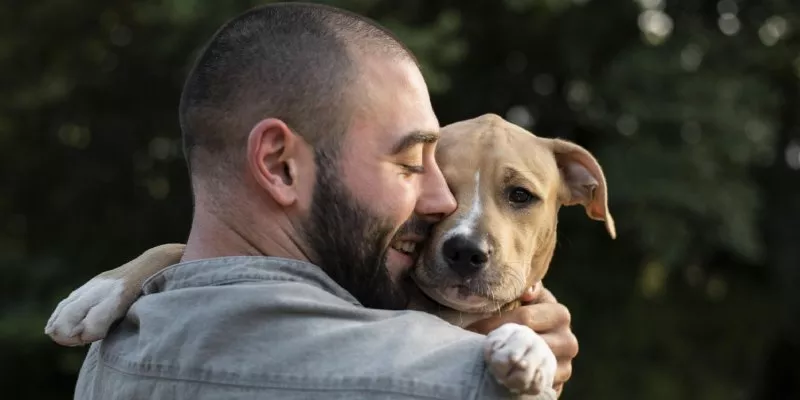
[690,106]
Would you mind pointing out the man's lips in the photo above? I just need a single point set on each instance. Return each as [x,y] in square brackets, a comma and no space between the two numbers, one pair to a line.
[409,245]
[405,247]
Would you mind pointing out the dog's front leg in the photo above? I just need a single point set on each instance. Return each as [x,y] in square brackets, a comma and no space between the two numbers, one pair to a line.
[521,360]
[89,311]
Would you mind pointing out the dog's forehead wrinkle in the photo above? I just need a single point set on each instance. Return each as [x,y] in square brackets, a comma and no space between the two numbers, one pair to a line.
[520,151]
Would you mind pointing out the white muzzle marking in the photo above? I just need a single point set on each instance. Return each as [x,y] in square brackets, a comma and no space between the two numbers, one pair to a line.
[466,226]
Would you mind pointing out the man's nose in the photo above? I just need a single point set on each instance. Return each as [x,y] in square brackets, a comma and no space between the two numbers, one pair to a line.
[435,201]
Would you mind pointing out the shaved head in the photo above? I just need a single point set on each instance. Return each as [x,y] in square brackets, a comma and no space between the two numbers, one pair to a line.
[295,62]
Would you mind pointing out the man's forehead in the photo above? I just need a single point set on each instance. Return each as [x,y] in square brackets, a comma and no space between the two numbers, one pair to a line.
[397,97]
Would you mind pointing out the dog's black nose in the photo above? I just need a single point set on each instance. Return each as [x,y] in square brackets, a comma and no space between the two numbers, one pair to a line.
[466,256]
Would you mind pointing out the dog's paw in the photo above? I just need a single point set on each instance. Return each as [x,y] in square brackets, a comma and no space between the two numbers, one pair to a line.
[520,359]
[88,312]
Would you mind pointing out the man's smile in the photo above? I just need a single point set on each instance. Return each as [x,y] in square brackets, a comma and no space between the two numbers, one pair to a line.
[404,252]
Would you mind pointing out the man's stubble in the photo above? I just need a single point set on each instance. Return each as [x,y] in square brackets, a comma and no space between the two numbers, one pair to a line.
[350,242]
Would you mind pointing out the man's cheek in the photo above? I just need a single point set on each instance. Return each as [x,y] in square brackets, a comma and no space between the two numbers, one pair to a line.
[406,201]
[398,195]
[366,186]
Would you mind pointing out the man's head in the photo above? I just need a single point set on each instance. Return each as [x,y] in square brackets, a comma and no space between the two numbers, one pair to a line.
[309,133]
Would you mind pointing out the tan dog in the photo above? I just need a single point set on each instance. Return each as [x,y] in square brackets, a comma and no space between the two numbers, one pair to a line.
[509,185]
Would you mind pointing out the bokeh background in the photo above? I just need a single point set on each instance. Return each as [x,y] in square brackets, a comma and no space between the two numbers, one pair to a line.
[690,106]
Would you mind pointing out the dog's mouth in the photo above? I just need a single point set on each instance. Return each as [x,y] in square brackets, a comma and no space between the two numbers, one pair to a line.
[470,296]
[461,298]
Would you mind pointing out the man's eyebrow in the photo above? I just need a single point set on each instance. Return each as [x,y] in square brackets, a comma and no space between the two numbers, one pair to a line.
[414,138]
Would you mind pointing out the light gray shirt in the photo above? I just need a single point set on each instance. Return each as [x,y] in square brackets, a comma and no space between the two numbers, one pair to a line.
[272,328]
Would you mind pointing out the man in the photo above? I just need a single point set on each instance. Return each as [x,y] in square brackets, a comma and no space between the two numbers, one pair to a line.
[310,140]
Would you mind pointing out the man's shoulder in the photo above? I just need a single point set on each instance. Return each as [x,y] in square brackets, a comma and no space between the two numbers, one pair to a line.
[303,318]
[293,334]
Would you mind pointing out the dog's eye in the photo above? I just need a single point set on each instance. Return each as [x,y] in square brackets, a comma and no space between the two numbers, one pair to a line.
[520,197]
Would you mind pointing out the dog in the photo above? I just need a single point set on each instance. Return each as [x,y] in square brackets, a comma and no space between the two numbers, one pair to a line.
[509,185]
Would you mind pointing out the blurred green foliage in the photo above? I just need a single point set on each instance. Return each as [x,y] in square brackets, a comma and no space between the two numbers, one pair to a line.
[691,108]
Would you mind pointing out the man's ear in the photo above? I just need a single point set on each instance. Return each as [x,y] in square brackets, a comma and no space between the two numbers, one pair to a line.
[584,182]
[272,150]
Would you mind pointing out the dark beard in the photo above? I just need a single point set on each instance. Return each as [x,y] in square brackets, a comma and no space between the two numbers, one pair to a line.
[350,243]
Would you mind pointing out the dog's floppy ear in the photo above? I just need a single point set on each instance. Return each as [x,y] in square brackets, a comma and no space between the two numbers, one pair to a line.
[584,182]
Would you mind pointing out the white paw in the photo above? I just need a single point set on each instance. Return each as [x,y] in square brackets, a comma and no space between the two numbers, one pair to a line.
[520,359]
[88,312]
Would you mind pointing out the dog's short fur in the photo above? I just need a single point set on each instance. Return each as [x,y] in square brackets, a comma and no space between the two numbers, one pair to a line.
[509,185]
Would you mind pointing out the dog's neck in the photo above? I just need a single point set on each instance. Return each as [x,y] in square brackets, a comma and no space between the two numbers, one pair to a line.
[421,302]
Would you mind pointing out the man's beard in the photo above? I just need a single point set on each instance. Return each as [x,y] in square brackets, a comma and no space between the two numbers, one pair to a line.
[350,242]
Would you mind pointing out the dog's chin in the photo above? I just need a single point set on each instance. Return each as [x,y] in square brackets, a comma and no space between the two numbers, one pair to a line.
[459,298]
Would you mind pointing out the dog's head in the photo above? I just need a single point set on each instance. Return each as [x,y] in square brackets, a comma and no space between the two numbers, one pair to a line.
[509,185]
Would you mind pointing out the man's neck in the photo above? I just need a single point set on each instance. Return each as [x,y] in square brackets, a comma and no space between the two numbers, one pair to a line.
[214,236]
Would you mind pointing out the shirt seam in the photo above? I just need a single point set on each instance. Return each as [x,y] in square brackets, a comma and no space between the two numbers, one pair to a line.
[464,387]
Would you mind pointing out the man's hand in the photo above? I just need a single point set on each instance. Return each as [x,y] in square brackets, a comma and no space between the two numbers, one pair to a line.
[542,313]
